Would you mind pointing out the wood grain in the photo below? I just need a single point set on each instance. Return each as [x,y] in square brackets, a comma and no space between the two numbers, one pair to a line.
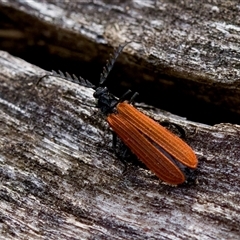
[186,51]
[60,178]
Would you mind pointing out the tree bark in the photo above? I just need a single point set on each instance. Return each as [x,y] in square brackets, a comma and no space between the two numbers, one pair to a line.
[60,178]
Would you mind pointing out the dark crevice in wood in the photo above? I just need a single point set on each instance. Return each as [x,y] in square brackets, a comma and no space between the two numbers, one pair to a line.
[166,92]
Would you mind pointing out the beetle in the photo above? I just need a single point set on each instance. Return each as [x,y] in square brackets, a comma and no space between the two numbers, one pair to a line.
[160,150]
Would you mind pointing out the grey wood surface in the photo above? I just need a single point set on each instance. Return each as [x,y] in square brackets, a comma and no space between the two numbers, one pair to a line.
[181,48]
[60,178]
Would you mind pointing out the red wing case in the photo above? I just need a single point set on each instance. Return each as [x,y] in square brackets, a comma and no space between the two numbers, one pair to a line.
[153,158]
[172,144]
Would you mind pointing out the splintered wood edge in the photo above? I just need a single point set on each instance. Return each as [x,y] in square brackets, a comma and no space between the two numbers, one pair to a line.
[60,177]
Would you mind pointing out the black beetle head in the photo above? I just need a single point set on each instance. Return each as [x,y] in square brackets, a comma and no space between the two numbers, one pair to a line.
[105,100]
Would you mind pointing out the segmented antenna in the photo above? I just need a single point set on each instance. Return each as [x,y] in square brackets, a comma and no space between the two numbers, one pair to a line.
[84,82]
[72,78]
[110,63]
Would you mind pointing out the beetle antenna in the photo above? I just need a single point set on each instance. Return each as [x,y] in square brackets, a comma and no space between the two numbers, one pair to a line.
[110,63]
[71,78]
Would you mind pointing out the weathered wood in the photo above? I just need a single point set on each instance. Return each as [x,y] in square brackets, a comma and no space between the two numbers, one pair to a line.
[59,176]
[191,48]
[61,180]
